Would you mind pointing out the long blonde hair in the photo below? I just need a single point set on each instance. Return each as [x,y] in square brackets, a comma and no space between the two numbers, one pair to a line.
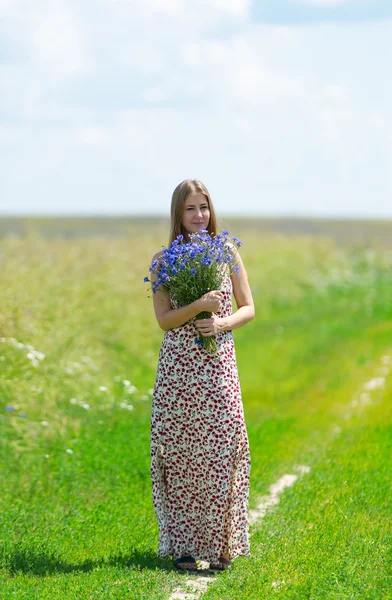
[180,194]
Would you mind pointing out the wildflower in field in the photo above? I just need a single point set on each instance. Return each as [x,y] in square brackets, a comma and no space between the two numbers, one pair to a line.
[73,401]
[44,423]
[9,408]
[125,404]
[23,415]
[69,451]
[130,389]
[33,355]
[85,405]
[187,271]
[375,383]
[103,388]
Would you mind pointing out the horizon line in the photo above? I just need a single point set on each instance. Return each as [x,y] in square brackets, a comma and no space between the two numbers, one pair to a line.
[221,217]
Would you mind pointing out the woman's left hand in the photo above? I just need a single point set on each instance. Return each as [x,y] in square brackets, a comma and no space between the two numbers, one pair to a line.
[209,327]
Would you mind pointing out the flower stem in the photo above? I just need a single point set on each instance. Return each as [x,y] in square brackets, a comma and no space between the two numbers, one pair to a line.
[208,342]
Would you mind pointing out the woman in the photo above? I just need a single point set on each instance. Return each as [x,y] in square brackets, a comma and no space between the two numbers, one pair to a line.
[200,460]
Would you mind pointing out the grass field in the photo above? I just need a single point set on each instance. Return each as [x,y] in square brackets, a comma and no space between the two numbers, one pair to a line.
[78,354]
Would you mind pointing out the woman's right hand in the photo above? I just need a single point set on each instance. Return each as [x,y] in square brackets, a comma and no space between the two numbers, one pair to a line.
[211,301]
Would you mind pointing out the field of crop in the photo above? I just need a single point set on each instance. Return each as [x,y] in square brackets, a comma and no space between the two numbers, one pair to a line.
[79,346]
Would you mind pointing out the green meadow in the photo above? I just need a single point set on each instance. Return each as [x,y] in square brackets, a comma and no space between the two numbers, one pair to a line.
[79,346]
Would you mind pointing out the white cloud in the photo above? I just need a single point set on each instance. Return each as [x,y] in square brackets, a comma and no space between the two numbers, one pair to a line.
[154,95]
[194,12]
[118,96]
[93,136]
[57,41]
[205,52]
[324,2]
[50,35]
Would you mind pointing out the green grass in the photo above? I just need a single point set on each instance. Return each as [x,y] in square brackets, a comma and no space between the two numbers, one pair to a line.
[81,524]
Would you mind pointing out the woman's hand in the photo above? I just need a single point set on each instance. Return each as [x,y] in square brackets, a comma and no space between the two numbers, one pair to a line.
[209,327]
[211,301]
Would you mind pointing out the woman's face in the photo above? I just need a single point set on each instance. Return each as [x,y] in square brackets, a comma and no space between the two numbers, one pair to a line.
[196,213]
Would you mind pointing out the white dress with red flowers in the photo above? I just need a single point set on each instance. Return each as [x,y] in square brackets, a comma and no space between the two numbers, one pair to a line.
[200,459]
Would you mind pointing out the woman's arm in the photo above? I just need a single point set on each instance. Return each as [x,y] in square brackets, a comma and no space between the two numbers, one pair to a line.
[243,298]
[168,317]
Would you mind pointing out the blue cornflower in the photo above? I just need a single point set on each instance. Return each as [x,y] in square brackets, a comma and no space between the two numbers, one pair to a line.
[193,271]
[182,267]
[236,241]
[198,341]
[174,270]
[225,232]
[9,408]
[146,279]
[236,269]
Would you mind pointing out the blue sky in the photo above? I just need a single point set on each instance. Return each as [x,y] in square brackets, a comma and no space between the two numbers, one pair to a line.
[282,108]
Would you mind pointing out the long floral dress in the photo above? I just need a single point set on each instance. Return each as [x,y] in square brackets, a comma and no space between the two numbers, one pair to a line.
[200,459]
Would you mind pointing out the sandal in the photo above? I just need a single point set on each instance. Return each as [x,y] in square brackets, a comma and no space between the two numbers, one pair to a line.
[185,559]
[222,566]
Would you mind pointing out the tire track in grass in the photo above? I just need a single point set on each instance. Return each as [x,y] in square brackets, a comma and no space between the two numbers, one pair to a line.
[198,584]
[370,391]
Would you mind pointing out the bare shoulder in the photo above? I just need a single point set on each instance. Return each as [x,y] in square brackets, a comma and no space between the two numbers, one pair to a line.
[157,256]
[232,246]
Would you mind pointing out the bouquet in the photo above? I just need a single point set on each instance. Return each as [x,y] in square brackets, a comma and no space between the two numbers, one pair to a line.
[186,271]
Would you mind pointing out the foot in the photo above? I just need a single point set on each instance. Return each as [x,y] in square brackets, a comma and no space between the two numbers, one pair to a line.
[224,563]
[186,563]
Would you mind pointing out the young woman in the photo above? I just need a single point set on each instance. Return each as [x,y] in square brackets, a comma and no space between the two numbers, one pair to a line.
[200,460]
